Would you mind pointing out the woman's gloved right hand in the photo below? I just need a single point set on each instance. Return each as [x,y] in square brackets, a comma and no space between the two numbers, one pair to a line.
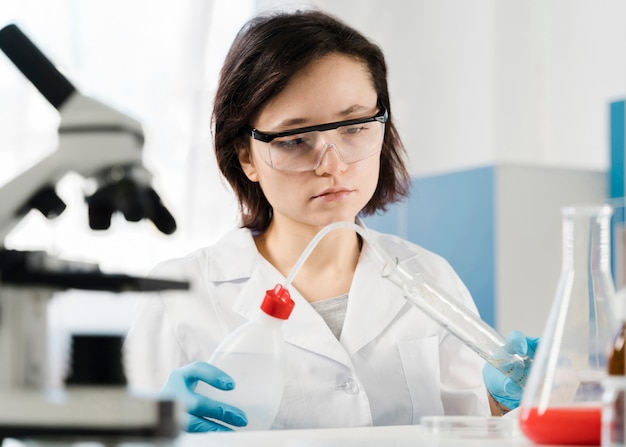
[181,385]
[503,388]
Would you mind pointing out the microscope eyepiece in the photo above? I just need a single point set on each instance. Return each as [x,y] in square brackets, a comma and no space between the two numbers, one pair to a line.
[37,68]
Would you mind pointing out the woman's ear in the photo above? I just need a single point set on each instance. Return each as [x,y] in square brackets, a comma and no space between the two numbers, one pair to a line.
[244,154]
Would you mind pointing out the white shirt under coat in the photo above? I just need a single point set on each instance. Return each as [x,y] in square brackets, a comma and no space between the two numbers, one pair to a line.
[391,366]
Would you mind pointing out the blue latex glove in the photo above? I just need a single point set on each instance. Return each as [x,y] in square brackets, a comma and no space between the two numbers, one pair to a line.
[503,389]
[180,386]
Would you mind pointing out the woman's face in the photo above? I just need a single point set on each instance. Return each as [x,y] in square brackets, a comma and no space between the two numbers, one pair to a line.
[333,88]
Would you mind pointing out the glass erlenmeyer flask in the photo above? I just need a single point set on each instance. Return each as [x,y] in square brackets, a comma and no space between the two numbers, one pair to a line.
[563,398]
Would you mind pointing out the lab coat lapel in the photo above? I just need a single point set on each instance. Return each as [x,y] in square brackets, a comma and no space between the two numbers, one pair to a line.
[305,328]
[372,306]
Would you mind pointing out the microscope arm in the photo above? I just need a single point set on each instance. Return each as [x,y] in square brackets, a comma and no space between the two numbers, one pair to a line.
[95,141]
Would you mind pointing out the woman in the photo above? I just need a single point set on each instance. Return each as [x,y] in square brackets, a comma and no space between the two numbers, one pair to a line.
[358,352]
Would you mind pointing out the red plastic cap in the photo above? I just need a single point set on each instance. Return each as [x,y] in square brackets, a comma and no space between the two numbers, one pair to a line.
[277,302]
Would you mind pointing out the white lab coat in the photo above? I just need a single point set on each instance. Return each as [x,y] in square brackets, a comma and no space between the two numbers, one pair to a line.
[391,366]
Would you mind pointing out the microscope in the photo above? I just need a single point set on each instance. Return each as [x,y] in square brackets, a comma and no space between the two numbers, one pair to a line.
[105,147]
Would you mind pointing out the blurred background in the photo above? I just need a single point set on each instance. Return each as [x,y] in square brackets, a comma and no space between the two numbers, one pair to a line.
[509,109]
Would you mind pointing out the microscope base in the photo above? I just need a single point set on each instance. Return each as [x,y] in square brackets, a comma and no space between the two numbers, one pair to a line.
[87,413]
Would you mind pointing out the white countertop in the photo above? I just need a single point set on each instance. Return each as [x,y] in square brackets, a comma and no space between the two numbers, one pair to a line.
[458,431]
[393,436]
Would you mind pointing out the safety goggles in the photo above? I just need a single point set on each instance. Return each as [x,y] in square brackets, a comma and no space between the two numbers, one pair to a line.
[300,150]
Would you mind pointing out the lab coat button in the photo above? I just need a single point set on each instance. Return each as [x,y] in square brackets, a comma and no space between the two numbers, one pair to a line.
[349,386]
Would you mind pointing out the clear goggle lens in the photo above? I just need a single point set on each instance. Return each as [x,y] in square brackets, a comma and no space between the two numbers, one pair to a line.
[304,152]
[301,150]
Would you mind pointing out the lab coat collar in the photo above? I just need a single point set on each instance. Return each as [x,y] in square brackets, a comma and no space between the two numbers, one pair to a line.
[372,303]
[233,257]
[304,328]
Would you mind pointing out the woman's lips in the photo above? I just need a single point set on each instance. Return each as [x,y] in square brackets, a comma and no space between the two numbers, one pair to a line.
[331,195]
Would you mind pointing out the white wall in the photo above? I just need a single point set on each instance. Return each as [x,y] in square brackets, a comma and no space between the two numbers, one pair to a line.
[499,81]
[558,64]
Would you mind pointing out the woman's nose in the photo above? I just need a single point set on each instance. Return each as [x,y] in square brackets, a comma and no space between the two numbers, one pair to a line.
[330,160]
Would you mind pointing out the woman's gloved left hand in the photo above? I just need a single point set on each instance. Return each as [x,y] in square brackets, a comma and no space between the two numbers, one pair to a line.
[504,389]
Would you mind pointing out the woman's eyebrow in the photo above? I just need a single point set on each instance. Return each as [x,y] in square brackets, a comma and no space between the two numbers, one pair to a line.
[354,108]
[293,122]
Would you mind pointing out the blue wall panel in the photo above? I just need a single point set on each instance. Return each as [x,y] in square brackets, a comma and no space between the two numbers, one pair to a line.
[617,113]
[617,120]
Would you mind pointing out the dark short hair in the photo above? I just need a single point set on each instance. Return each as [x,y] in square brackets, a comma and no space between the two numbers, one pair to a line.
[266,53]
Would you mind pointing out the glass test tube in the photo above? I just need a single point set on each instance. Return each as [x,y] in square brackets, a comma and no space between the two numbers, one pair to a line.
[444,310]
[458,320]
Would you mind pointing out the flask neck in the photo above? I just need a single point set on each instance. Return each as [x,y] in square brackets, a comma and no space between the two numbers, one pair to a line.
[586,239]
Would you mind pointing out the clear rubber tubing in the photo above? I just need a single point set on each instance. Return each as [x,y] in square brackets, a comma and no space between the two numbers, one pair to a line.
[446,311]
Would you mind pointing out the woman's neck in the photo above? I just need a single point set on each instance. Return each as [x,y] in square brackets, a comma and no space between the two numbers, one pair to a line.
[328,270]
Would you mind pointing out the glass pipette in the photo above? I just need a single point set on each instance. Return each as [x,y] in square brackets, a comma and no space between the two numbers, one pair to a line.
[448,312]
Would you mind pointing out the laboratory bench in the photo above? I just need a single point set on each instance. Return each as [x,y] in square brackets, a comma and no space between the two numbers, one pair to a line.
[391,436]
[442,431]
[435,431]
